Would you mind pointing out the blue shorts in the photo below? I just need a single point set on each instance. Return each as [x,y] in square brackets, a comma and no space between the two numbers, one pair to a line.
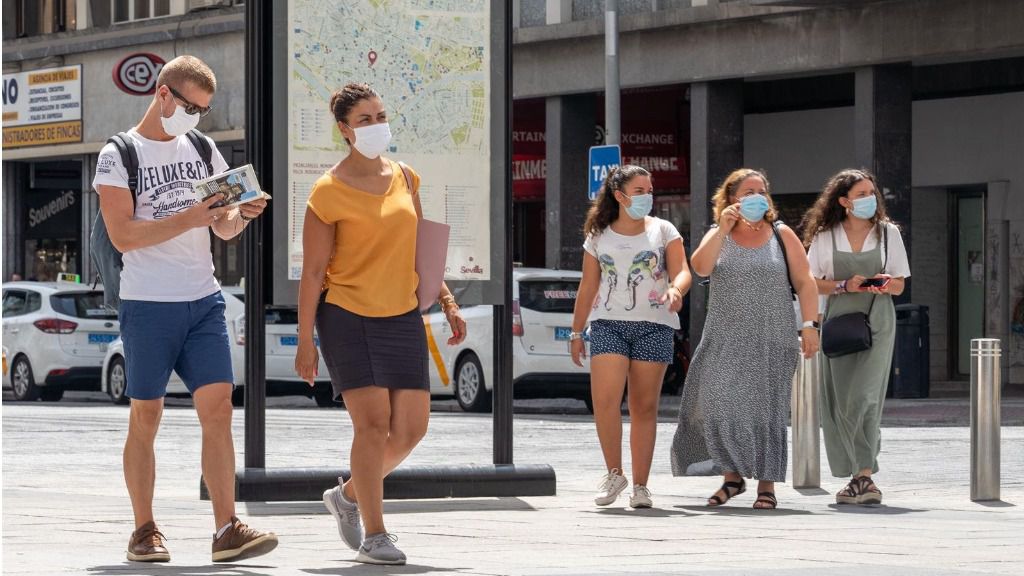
[636,340]
[190,338]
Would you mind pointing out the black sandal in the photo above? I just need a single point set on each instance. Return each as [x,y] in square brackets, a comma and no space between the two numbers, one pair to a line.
[868,493]
[766,498]
[715,500]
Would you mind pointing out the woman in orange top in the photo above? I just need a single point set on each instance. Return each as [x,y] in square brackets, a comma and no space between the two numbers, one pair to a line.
[360,234]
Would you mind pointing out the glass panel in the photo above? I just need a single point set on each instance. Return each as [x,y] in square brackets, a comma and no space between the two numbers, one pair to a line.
[141,9]
[548,295]
[120,10]
[14,303]
[35,302]
[161,7]
[82,305]
[970,277]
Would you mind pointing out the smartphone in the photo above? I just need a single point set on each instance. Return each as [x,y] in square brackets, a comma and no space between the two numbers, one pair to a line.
[874,282]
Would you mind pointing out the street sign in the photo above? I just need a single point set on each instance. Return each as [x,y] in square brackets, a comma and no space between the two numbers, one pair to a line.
[602,160]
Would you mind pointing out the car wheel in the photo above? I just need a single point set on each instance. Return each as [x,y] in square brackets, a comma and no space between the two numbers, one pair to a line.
[51,394]
[23,383]
[238,396]
[117,381]
[470,391]
[323,393]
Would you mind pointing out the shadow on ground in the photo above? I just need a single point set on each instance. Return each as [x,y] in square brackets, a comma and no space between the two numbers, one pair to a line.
[394,507]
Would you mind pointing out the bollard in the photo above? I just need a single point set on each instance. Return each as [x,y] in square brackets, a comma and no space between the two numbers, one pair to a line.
[985,418]
[807,423]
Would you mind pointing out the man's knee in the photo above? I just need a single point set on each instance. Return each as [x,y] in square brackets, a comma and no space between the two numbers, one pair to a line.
[144,420]
[213,405]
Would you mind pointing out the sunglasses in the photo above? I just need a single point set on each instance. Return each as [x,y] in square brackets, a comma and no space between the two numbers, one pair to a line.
[190,108]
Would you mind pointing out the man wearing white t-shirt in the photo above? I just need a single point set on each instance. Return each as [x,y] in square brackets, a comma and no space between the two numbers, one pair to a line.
[172,309]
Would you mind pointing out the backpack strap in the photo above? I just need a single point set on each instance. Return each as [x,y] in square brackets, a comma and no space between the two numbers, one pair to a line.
[202,145]
[785,258]
[130,159]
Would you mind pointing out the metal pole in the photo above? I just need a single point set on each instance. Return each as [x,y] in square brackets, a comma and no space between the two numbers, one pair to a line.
[611,72]
[257,145]
[985,418]
[807,423]
[502,396]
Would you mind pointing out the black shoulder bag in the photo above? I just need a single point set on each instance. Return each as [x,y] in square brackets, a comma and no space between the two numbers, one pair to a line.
[851,333]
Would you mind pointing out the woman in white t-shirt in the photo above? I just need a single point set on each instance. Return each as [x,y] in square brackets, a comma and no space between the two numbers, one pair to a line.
[634,280]
[858,260]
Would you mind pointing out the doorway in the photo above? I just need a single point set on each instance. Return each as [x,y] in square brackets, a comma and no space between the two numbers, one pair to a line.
[968,278]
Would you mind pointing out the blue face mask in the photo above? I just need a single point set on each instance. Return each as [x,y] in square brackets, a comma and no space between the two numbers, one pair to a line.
[865,208]
[753,207]
[640,206]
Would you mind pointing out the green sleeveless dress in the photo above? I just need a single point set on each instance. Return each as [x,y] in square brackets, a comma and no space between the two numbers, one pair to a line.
[854,386]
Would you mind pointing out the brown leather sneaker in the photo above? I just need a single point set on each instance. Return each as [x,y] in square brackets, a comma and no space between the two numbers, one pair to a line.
[147,545]
[241,542]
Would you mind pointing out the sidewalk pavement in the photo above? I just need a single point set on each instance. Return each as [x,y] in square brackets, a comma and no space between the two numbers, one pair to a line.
[65,510]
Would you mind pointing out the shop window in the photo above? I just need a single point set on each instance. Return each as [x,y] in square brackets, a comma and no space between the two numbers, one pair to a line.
[35,17]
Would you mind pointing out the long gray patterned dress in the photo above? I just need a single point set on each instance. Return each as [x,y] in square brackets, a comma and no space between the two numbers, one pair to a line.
[736,400]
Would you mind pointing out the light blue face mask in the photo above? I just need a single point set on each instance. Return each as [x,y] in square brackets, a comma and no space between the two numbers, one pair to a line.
[640,206]
[753,207]
[865,208]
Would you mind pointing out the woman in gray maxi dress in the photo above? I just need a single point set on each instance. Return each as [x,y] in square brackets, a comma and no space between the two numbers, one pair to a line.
[735,403]
[850,240]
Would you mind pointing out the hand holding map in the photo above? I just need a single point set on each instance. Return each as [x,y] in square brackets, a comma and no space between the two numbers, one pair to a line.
[237,186]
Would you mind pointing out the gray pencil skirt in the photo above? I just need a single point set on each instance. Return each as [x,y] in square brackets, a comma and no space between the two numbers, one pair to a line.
[361,351]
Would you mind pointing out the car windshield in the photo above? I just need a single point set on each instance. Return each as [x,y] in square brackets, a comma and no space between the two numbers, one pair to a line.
[82,305]
[548,295]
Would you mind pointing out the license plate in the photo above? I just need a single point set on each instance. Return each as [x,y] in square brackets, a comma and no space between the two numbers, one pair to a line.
[294,341]
[102,338]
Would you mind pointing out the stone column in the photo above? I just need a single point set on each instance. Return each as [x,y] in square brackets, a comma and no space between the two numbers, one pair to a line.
[882,138]
[716,149]
[570,133]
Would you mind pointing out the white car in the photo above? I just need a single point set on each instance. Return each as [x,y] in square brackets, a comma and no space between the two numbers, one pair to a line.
[282,340]
[56,335]
[114,380]
[542,308]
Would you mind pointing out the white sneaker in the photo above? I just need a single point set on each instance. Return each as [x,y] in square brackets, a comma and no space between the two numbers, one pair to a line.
[346,514]
[641,497]
[612,484]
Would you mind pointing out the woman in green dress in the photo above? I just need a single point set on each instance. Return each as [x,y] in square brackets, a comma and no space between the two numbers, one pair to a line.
[859,261]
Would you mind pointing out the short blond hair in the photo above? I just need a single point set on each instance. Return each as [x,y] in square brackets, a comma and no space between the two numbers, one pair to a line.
[186,69]
[720,201]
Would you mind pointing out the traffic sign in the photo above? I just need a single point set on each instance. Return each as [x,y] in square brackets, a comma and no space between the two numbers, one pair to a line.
[602,160]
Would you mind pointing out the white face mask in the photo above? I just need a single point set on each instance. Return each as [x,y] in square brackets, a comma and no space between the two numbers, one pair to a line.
[372,141]
[180,122]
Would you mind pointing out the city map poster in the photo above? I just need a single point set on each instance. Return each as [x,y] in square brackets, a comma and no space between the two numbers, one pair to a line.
[430,62]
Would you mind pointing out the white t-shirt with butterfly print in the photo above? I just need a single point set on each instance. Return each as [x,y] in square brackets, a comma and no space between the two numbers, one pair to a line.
[633,273]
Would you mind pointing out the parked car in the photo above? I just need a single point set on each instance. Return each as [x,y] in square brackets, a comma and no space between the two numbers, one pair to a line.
[542,307]
[56,335]
[282,340]
[114,381]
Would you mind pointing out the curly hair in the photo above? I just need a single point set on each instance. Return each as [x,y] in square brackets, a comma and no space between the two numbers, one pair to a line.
[827,212]
[605,208]
[726,192]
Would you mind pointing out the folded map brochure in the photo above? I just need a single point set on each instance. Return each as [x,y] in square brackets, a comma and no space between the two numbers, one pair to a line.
[237,186]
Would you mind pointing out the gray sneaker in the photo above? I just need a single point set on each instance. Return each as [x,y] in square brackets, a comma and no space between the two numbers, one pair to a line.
[380,549]
[346,514]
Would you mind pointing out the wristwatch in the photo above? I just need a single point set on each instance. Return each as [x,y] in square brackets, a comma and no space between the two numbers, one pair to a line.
[811,324]
[575,336]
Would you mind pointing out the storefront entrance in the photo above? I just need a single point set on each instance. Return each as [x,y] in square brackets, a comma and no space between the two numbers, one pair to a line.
[51,220]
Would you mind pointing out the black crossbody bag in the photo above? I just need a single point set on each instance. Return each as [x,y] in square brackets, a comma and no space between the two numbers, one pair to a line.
[851,333]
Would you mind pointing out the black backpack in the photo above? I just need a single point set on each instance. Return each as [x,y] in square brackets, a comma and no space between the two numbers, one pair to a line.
[107,260]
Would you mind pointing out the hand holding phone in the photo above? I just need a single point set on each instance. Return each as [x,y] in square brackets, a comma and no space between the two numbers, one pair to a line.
[874,282]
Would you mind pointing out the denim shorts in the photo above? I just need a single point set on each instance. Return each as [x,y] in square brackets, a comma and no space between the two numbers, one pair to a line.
[190,338]
[636,340]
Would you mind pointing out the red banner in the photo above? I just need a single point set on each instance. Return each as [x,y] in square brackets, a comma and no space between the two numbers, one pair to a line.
[655,135]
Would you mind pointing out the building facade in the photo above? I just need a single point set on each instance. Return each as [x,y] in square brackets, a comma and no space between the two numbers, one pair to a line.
[107,53]
[929,94]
